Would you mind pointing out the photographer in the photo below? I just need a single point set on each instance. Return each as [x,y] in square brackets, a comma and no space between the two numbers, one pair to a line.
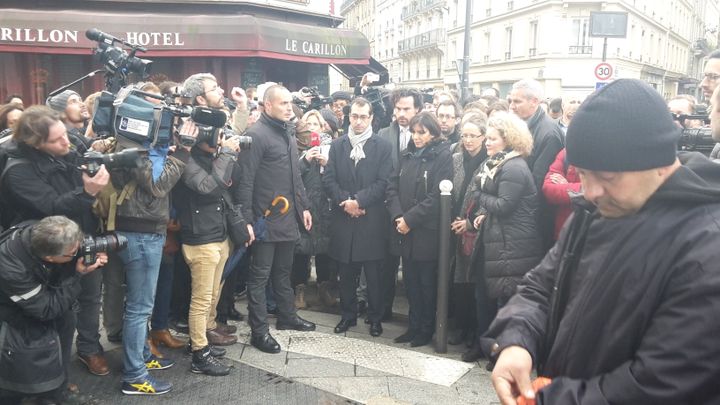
[42,178]
[142,218]
[201,209]
[40,278]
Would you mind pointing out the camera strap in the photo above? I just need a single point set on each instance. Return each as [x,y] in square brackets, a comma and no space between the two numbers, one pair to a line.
[116,199]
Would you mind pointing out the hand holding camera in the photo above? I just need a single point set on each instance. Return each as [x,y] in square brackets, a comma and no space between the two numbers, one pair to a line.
[232,143]
[100,260]
[187,133]
[92,184]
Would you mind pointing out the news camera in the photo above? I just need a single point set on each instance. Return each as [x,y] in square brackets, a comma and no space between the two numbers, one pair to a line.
[118,62]
[91,161]
[317,101]
[695,139]
[382,108]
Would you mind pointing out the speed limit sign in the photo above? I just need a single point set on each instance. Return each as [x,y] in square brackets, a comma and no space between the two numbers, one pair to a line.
[603,71]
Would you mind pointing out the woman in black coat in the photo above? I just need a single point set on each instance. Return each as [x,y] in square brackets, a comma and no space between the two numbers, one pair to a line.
[508,205]
[413,199]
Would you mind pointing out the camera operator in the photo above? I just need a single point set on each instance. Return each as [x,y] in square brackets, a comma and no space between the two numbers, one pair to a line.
[201,209]
[42,178]
[142,218]
[40,278]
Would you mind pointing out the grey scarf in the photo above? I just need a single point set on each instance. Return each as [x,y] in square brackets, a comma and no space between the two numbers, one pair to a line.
[358,142]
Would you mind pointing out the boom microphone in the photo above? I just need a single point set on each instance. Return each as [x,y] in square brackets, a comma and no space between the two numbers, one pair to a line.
[209,116]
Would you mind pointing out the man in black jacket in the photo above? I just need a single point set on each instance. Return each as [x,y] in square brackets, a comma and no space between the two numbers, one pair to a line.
[205,244]
[270,171]
[355,179]
[40,279]
[42,179]
[525,99]
[624,308]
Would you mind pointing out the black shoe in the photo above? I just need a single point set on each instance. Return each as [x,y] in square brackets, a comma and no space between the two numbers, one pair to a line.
[203,362]
[235,315]
[272,311]
[215,351]
[376,329]
[265,343]
[421,340]
[406,337]
[473,355]
[344,325]
[298,324]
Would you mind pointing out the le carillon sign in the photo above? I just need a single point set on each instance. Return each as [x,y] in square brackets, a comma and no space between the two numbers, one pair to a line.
[181,35]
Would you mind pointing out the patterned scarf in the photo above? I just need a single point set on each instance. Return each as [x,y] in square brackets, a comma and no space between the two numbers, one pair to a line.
[358,142]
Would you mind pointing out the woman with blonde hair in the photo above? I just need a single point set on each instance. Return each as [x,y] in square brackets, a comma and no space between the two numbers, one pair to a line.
[507,200]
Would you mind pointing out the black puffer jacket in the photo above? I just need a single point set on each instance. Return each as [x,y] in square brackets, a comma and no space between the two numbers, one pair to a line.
[316,241]
[413,194]
[511,243]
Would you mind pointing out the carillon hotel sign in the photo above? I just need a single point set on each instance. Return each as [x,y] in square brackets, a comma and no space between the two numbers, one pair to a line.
[182,35]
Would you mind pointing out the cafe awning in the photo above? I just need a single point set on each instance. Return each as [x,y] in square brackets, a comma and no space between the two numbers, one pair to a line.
[355,72]
[179,35]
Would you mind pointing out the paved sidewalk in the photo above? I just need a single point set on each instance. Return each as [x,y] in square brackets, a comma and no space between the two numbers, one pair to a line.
[318,367]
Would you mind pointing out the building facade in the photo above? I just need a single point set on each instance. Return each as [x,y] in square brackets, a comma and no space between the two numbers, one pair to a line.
[243,43]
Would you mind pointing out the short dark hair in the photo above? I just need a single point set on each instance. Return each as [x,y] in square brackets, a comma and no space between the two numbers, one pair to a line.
[454,105]
[10,97]
[33,127]
[361,102]
[714,54]
[404,92]
[555,105]
[428,121]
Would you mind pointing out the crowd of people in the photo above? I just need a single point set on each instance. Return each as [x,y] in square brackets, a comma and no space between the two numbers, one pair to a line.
[593,292]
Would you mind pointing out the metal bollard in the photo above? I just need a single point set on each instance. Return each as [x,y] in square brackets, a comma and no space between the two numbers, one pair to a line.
[443,282]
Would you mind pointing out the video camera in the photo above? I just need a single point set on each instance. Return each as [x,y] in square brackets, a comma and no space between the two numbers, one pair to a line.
[379,99]
[90,246]
[695,139]
[316,100]
[91,161]
[118,62]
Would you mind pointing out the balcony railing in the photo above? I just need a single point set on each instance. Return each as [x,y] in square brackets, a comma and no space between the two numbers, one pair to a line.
[580,49]
[532,52]
[508,55]
[428,39]
[419,7]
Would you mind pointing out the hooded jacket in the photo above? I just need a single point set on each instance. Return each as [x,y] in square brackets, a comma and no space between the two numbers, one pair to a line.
[636,320]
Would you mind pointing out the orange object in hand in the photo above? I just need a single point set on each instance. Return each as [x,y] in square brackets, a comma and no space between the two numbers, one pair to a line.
[537,385]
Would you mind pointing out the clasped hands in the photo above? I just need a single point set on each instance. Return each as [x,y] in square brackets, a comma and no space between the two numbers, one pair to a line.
[352,208]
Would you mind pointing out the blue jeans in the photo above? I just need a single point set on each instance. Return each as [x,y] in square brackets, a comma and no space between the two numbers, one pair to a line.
[141,260]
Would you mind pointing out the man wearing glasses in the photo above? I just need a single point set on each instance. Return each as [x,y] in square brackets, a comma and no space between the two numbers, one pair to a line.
[447,113]
[40,279]
[711,75]
[355,180]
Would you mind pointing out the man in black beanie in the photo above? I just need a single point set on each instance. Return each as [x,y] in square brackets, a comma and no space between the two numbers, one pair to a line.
[624,308]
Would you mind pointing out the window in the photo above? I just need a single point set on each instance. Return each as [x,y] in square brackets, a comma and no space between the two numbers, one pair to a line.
[508,43]
[488,12]
[510,5]
[580,40]
[533,38]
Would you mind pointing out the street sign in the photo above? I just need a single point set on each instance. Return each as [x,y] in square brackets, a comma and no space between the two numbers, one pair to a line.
[603,71]
[600,85]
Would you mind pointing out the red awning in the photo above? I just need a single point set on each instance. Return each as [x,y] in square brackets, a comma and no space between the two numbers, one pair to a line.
[63,32]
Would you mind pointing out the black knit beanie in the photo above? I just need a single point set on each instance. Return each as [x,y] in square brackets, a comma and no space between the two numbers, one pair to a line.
[623,127]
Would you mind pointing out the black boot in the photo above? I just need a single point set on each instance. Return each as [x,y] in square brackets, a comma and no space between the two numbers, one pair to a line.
[474,354]
[204,363]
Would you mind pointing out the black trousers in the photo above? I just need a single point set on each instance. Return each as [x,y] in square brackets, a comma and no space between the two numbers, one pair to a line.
[180,297]
[462,302]
[325,269]
[421,284]
[88,314]
[270,260]
[227,295]
[349,279]
[389,278]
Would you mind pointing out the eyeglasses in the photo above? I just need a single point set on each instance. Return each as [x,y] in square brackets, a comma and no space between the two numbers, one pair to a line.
[72,255]
[443,117]
[216,88]
[711,76]
[356,117]
[470,136]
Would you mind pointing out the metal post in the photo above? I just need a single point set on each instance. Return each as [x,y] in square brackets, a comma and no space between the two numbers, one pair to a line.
[466,52]
[443,286]
[604,49]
